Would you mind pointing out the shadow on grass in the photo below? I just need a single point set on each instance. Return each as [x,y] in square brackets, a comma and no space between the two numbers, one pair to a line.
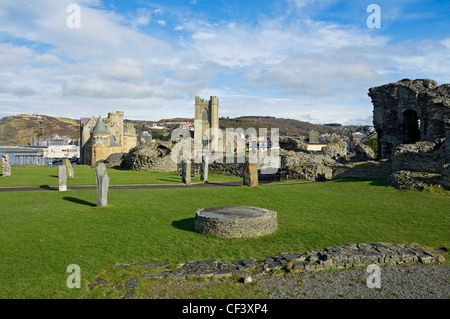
[49,188]
[186,224]
[120,168]
[170,180]
[79,201]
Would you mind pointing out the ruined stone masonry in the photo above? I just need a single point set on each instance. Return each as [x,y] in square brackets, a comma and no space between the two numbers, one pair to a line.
[206,123]
[339,257]
[412,120]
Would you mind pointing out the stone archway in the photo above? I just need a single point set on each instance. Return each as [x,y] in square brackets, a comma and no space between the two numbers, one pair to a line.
[411,127]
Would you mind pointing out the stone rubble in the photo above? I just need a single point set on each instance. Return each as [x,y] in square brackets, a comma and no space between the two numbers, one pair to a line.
[266,272]
[349,255]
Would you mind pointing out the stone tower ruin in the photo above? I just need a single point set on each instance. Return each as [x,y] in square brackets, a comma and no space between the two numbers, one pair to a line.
[409,111]
[206,123]
[412,121]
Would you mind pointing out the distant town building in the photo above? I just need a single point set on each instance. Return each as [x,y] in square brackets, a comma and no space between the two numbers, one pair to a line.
[156,126]
[314,142]
[353,140]
[56,140]
[61,151]
[187,126]
[100,138]
[145,138]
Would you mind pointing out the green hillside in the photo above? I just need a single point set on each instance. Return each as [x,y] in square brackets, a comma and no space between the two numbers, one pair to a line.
[17,130]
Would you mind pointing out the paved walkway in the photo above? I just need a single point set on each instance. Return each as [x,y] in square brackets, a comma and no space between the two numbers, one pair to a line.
[143,186]
[139,186]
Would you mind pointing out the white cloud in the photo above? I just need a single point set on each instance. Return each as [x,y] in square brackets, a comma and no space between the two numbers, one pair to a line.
[47,59]
[123,69]
[11,55]
[102,34]
[279,66]
[140,18]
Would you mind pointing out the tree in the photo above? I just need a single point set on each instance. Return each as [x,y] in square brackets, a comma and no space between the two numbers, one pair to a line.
[373,144]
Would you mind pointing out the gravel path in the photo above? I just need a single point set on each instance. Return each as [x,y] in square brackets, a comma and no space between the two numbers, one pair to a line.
[397,282]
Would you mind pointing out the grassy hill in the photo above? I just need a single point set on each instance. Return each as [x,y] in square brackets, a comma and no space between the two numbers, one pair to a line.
[286,126]
[17,130]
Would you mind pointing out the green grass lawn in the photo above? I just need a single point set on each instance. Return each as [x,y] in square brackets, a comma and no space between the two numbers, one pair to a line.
[33,175]
[42,232]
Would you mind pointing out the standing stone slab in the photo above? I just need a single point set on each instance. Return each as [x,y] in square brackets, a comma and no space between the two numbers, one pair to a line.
[62,175]
[102,182]
[69,168]
[6,165]
[250,174]
[186,172]
[204,171]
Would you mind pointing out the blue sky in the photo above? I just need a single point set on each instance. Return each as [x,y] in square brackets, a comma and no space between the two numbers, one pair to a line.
[312,60]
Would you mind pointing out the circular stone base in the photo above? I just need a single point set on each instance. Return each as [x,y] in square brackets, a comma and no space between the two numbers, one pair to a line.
[235,221]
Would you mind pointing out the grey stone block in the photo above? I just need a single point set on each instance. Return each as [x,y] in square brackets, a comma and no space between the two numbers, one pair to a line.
[6,165]
[62,178]
[186,172]
[102,182]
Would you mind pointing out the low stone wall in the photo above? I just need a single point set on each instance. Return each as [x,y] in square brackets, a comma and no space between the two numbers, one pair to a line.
[230,169]
[418,157]
[367,170]
[414,180]
[313,166]
[349,255]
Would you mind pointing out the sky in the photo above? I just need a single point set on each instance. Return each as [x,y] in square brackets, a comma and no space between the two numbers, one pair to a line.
[310,60]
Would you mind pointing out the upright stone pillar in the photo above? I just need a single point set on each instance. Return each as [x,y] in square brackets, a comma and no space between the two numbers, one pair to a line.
[186,172]
[204,171]
[102,182]
[70,173]
[250,174]
[62,175]
[6,165]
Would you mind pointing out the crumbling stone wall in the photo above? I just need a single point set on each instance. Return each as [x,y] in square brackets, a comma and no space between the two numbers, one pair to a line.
[410,111]
[421,156]
[367,170]
[412,120]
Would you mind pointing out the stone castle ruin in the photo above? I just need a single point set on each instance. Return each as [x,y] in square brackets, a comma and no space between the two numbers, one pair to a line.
[206,123]
[409,111]
[412,120]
